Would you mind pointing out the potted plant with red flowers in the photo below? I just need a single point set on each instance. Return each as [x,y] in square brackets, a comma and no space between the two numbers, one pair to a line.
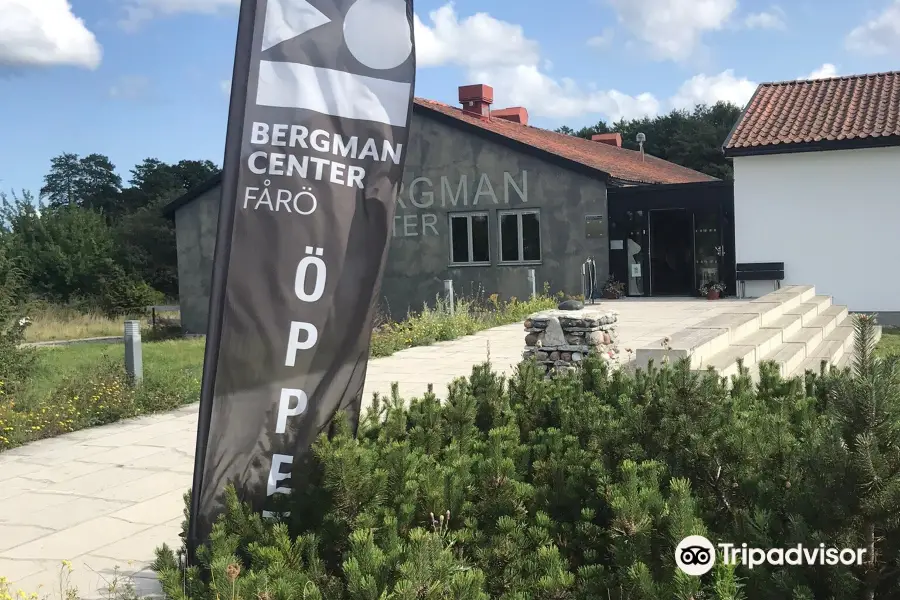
[713,290]
[612,289]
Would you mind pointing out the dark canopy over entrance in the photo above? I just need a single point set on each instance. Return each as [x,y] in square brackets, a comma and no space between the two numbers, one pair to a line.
[669,240]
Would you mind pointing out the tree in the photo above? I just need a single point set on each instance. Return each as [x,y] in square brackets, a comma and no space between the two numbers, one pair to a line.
[146,237]
[867,408]
[94,240]
[99,186]
[16,362]
[154,181]
[191,173]
[692,139]
[90,182]
[61,183]
[63,251]
[148,247]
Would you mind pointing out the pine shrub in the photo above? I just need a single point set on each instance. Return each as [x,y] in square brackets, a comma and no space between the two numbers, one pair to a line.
[580,488]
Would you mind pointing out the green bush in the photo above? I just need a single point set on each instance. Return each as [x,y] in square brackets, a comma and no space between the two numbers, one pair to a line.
[441,324]
[16,362]
[579,488]
[68,254]
[125,295]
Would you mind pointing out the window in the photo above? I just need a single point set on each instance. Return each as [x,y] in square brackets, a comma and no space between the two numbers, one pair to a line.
[520,236]
[469,239]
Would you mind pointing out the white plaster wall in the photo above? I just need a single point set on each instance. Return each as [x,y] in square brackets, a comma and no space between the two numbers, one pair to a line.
[832,217]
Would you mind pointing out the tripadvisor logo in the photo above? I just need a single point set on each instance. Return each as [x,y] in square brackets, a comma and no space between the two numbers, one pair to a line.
[696,555]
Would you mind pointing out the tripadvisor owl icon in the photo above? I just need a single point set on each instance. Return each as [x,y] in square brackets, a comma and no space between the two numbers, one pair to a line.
[695,555]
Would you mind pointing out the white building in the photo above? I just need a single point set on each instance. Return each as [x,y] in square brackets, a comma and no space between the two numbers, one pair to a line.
[817,187]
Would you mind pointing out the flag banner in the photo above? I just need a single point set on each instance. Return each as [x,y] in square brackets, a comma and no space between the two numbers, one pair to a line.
[321,100]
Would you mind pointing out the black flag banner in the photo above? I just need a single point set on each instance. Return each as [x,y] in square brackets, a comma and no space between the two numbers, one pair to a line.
[317,132]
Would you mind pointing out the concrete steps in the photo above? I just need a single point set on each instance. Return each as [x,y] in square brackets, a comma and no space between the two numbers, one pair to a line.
[792,327]
[837,349]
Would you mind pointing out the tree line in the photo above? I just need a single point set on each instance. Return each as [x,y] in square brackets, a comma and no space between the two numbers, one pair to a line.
[90,239]
[691,139]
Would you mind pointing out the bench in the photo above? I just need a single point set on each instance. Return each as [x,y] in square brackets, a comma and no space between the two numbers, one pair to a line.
[745,272]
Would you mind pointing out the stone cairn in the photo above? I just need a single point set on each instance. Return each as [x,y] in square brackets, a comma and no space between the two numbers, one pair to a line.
[560,339]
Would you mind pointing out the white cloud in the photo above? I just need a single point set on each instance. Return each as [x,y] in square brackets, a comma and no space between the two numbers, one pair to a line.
[824,72]
[603,40]
[512,65]
[673,29]
[45,33]
[879,35]
[771,19]
[706,89]
[526,85]
[225,86]
[498,53]
[474,42]
[727,87]
[138,11]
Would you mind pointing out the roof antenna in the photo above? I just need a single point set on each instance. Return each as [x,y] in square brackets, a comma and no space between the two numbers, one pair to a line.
[641,138]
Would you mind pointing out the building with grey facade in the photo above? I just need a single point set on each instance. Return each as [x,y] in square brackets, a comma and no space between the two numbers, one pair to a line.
[486,197]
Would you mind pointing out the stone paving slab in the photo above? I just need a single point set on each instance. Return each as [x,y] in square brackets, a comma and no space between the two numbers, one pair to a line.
[107,497]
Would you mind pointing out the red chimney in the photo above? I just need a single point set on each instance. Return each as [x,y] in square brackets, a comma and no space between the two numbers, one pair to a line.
[613,139]
[476,99]
[516,114]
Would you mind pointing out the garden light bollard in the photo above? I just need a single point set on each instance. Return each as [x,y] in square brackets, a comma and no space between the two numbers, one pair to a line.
[532,283]
[134,360]
[448,294]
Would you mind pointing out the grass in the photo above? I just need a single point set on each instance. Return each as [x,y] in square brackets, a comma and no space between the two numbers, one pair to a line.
[77,386]
[890,342]
[162,360]
[439,324]
[55,323]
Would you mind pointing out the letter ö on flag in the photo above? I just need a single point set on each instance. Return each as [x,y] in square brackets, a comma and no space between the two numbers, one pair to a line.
[294,284]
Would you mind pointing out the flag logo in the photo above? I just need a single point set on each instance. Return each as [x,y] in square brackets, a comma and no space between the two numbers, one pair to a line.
[300,43]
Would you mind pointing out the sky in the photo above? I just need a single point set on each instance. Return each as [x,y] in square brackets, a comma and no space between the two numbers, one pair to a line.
[133,79]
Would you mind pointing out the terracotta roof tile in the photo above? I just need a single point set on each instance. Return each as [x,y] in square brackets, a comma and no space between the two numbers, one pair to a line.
[805,112]
[620,163]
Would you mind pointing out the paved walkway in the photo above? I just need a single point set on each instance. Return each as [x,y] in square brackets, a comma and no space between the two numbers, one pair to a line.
[108,496]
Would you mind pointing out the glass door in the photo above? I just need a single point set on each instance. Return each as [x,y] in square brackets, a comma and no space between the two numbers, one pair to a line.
[709,247]
[637,252]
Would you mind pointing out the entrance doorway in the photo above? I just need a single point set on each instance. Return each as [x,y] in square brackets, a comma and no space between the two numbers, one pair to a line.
[669,240]
[671,252]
